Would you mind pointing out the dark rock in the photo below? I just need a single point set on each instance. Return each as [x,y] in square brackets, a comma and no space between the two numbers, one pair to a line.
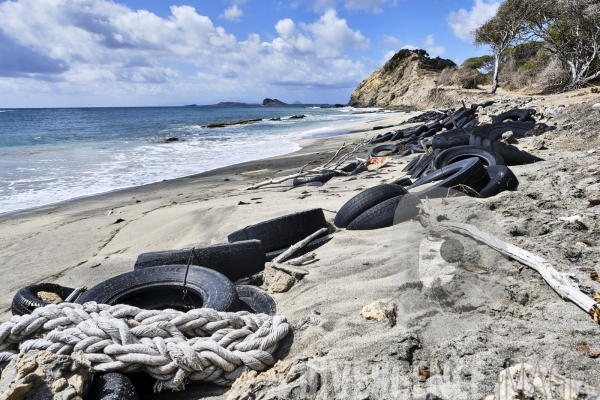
[297,116]
[275,119]
[272,102]
[172,139]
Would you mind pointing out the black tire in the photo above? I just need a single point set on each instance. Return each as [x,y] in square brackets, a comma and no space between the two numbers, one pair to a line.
[26,300]
[501,179]
[424,164]
[234,260]
[427,134]
[350,166]
[510,154]
[469,172]
[472,123]
[255,300]
[404,182]
[495,131]
[312,245]
[282,232]
[397,136]
[488,103]
[390,148]
[365,200]
[359,170]
[385,138]
[162,287]
[410,166]
[515,115]
[112,386]
[323,177]
[387,213]
[452,138]
[455,154]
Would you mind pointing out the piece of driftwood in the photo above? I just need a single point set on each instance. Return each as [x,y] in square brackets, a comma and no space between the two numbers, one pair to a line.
[316,170]
[566,285]
[289,269]
[283,256]
[302,259]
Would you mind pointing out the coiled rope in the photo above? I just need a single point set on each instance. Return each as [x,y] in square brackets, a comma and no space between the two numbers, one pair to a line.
[172,346]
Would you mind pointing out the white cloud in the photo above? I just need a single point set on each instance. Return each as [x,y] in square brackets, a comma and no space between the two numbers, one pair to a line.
[387,57]
[463,22]
[409,47]
[103,50]
[391,41]
[431,48]
[232,13]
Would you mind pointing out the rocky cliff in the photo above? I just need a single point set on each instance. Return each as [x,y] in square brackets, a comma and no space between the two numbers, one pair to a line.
[406,80]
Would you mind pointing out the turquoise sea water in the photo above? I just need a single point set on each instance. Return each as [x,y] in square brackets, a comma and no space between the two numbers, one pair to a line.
[52,155]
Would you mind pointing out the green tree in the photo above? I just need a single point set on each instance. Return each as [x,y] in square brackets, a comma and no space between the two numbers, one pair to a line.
[503,30]
[571,31]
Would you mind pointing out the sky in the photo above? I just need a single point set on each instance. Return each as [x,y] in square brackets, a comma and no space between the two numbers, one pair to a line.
[125,53]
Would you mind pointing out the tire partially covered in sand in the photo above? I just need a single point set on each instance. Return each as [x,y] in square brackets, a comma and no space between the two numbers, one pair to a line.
[365,200]
[158,288]
[282,232]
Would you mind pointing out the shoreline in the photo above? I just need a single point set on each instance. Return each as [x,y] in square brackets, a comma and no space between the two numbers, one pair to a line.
[342,129]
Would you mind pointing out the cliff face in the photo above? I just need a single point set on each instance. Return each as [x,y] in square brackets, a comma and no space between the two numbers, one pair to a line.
[406,80]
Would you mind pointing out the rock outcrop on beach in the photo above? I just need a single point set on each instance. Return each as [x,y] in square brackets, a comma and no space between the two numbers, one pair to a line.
[406,80]
[273,102]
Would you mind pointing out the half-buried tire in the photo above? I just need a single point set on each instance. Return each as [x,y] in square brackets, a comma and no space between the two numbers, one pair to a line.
[465,175]
[157,288]
[26,299]
[387,213]
[323,177]
[510,154]
[501,179]
[365,200]
[255,300]
[449,156]
[234,260]
[282,232]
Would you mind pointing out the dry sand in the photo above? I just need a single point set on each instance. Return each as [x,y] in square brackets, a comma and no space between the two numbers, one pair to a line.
[486,314]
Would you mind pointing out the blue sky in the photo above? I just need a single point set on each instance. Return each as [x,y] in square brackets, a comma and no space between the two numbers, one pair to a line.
[69,53]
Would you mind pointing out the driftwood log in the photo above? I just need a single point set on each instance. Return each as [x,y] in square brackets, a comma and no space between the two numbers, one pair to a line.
[331,164]
[566,285]
[286,254]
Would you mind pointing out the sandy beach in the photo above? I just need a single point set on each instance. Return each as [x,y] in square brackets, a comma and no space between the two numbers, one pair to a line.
[491,315]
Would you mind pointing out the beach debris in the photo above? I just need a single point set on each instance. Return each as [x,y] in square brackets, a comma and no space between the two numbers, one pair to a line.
[112,210]
[243,203]
[282,282]
[565,284]
[302,259]
[172,139]
[536,131]
[585,349]
[378,310]
[593,202]
[297,273]
[292,249]
[509,138]
[423,372]
[42,375]
[118,221]
[537,144]
[332,164]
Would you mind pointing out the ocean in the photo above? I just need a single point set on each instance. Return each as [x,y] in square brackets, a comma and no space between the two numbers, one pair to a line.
[53,155]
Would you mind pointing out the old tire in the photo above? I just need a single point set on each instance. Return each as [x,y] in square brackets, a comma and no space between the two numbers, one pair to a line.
[510,154]
[469,172]
[452,138]
[234,260]
[387,137]
[449,156]
[162,287]
[501,179]
[495,131]
[112,386]
[425,162]
[412,164]
[387,213]
[365,200]
[284,231]
[312,245]
[515,115]
[255,300]
[389,148]
[323,177]
[26,300]
[350,166]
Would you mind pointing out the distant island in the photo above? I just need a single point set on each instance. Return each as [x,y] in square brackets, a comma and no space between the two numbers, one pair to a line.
[296,102]
[273,102]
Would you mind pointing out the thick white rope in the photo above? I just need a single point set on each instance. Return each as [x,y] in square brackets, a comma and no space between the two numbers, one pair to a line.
[172,346]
